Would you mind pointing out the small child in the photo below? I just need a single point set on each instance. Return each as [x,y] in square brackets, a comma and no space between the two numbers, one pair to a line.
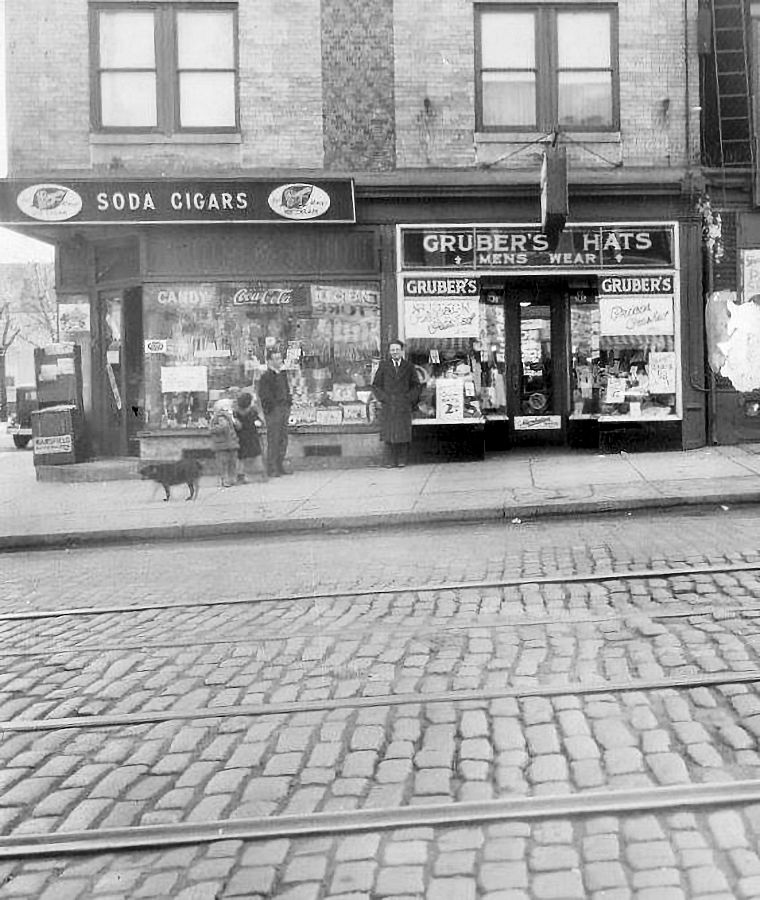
[224,440]
[247,423]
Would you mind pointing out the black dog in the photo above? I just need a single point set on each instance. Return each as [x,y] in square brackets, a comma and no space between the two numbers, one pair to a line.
[181,471]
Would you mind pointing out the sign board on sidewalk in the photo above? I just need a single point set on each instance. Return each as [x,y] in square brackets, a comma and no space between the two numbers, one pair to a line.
[59,443]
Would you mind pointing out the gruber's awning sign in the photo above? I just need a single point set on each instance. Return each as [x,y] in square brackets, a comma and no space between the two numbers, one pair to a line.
[80,202]
[497,247]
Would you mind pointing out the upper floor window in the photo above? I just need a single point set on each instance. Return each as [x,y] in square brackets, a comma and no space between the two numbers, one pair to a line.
[546,67]
[164,67]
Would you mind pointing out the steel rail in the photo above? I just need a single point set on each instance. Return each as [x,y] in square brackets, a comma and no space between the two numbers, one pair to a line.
[146,717]
[523,809]
[634,575]
[724,612]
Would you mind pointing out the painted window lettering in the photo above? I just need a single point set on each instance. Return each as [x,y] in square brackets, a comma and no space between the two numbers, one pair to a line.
[268,297]
[185,297]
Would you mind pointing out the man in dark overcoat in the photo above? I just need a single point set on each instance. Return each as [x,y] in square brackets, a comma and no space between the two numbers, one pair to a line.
[397,387]
[275,399]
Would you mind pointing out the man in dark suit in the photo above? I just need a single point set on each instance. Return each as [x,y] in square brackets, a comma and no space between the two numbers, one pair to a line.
[397,387]
[275,399]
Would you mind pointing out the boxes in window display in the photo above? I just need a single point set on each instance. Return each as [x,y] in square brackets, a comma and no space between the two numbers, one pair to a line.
[330,415]
[354,412]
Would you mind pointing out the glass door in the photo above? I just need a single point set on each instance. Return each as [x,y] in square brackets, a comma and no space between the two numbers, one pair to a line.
[117,393]
[536,358]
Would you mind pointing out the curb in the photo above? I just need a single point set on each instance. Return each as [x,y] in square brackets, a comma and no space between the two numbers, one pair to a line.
[377,521]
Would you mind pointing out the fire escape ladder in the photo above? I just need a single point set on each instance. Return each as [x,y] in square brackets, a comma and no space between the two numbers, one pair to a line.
[732,80]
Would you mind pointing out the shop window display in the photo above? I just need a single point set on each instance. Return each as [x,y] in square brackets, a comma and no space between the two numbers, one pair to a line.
[462,377]
[624,362]
[204,341]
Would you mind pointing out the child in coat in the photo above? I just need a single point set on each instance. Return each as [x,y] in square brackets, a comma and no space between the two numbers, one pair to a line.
[249,450]
[224,441]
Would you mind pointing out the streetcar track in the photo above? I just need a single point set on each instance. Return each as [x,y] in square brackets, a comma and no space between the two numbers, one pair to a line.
[536,808]
[515,808]
[722,613]
[593,578]
[117,720]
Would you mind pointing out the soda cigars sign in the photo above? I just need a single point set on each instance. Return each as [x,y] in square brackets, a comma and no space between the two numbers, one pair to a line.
[505,247]
[159,202]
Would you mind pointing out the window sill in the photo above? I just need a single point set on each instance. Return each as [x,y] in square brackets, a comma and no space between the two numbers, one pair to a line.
[528,137]
[194,137]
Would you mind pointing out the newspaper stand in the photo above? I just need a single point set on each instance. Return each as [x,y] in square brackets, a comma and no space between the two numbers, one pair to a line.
[57,435]
[58,424]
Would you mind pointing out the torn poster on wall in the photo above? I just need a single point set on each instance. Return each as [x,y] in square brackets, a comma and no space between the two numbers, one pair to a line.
[733,339]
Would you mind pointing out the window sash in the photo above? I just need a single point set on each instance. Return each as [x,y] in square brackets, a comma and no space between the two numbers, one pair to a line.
[169,113]
[553,83]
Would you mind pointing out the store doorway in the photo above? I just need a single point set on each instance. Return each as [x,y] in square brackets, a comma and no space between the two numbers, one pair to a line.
[118,372]
[536,359]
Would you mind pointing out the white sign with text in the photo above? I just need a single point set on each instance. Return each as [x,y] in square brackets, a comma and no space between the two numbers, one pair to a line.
[661,368]
[449,399]
[442,317]
[182,379]
[641,314]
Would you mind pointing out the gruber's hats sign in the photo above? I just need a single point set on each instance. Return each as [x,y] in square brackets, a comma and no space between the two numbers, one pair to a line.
[85,202]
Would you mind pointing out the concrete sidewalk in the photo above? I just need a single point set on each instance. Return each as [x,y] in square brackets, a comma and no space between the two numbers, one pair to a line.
[518,484]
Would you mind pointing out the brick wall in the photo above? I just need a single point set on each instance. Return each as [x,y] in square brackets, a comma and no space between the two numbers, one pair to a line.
[358,89]
[319,81]
[281,83]
[435,89]
[47,85]
[652,81]
[49,106]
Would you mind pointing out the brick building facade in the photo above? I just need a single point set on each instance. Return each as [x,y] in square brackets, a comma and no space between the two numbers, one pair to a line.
[408,104]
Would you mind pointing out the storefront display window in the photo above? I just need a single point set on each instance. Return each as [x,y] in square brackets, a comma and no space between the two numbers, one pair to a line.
[456,342]
[204,340]
[624,361]
[503,328]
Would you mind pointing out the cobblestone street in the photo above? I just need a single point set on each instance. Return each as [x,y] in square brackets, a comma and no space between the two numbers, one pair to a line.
[618,661]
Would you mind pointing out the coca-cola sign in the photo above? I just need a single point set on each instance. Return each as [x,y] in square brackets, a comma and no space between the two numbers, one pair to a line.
[262,297]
